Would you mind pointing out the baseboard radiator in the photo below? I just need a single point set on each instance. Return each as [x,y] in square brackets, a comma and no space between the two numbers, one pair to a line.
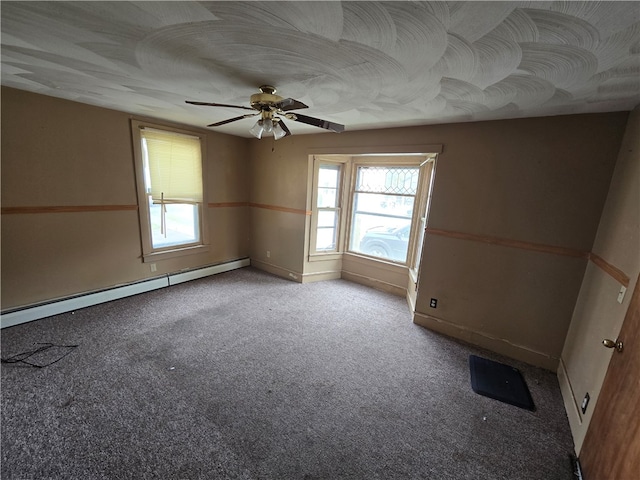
[76,302]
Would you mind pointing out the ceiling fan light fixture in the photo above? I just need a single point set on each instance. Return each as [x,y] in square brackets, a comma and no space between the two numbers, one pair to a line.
[265,127]
[278,132]
[257,130]
[267,124]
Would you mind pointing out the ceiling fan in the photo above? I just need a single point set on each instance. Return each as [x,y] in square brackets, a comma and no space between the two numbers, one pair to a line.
[272,108]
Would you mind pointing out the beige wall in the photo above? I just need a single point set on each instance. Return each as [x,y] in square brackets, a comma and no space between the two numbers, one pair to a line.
[539,182]
[278,194]
[60,153]
[597,313]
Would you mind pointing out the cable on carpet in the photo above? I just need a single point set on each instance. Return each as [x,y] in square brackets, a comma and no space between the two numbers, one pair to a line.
[23,356]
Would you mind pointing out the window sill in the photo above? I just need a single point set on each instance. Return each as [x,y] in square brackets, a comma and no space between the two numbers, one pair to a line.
[321,257]
[380,262]
[177,252]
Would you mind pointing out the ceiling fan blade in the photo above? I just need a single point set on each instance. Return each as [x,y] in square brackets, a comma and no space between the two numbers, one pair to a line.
[224,122]
[287,132]
[290,104]
[217,105]
[317,122]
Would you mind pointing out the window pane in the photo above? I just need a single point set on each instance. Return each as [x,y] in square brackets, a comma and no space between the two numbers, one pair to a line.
[398,180]
[328,183]
[328,176]
[379,203]
[327,197]
[327,218]
[172,167]
[327,207]
[182,225]
[327,223]
[381,225]
[326,239]
[381,237]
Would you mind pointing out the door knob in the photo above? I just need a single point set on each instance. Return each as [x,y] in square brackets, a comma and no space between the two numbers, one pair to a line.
[611,344]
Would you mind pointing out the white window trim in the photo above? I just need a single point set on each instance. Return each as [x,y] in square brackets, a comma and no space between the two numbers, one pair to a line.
[150,254]
[315,255]
[424,207]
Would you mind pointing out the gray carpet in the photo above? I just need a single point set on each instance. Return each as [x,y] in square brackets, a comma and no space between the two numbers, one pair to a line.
[245,375]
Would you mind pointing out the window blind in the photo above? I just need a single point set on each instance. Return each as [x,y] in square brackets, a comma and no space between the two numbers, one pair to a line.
[175,166]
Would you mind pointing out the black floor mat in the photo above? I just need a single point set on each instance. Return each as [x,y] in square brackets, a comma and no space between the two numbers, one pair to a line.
[500,382]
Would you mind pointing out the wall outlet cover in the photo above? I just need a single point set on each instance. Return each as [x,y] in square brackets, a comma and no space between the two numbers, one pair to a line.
[433,303]
[623,290]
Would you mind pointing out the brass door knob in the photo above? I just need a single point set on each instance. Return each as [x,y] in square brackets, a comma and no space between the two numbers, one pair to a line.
[613,344]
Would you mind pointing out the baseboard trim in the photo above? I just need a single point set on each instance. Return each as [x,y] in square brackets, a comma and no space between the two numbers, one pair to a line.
[484,340]
[70,304]
[567,391]
[88,299]
[570,405]
[374,283]
[189,275]
[321,276]
[276,270]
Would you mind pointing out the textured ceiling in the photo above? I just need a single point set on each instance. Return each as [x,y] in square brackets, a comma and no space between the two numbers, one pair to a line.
[363,64]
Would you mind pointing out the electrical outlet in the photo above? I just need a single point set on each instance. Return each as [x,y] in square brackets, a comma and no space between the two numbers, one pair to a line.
[433,303]
[153,267]
[585,402]
[268,254]
[621,293]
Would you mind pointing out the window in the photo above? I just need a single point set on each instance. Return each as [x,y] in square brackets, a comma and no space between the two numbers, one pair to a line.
[383,200]
[372,205]
[170,190]
[328,207]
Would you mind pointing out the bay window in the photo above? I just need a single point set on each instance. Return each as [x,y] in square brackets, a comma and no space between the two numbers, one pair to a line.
[370,205]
